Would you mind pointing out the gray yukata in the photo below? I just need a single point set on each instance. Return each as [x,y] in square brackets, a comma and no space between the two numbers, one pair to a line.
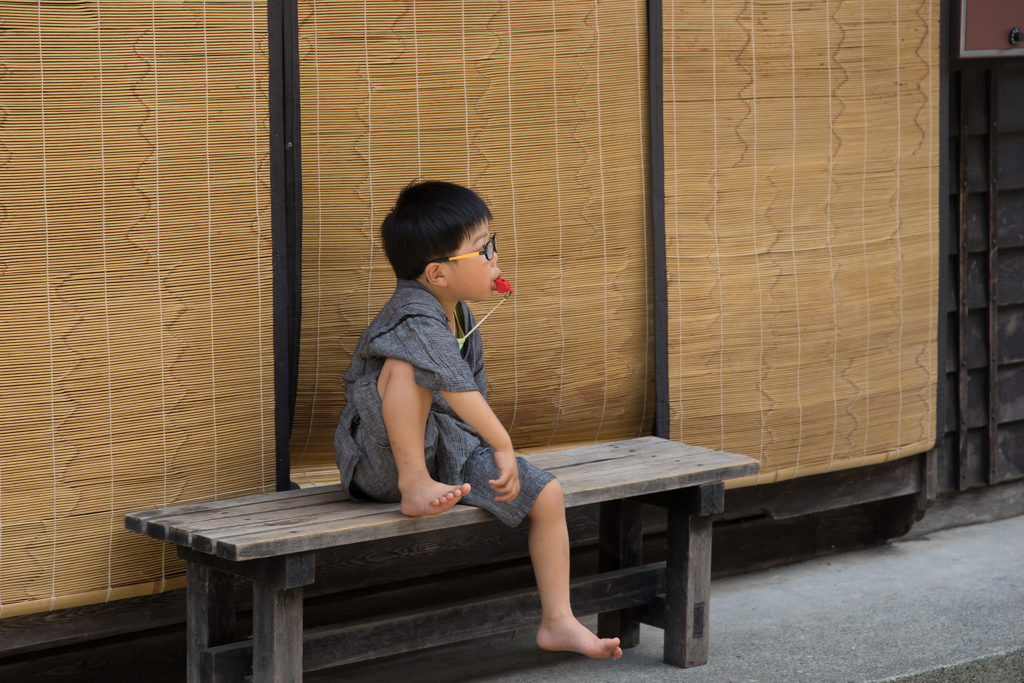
[413,327]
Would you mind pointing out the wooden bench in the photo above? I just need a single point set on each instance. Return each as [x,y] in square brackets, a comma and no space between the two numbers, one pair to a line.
[272,539]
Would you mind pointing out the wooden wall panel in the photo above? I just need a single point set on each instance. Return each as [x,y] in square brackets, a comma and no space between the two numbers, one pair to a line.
[540,107]
[983,428]
[135,285]
[802,229]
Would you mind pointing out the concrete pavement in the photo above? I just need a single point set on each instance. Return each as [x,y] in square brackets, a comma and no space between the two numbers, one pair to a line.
[948,606]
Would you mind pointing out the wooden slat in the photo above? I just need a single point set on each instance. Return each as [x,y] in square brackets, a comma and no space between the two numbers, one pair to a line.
[137,521]
[194,515]
[583,476]
[640,458]
[246,506]
[993,278]
[585,466]
[963,280]
[395,633]
[177,524]
[666,463]
[607,451]
[182,532]
[320,533]
[297,521]
[649,480]
[584,488]
[962,291]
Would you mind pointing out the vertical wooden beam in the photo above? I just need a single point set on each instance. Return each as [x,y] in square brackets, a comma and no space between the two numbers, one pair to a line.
[285,220]
[962,290]
[930,479]
[620,543]
[293,190]
[942,191]
[993,278]
[687,589]
[210,598]
[276,634]
[656,116]
[279,239]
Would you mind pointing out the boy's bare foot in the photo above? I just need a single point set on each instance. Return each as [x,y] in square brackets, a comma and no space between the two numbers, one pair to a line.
[431,498]
[569,634]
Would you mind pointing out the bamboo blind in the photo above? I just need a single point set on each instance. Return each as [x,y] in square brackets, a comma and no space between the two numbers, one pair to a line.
[541,107]
[801,160]
[135,285]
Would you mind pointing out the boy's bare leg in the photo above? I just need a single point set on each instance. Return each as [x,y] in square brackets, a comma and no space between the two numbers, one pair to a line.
[406,406]
[549,550]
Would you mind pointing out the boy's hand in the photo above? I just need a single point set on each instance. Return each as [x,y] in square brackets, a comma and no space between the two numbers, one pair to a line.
[472,407]
[507,483]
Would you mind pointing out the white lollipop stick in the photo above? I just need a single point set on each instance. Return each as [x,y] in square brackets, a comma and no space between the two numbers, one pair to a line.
[463,338]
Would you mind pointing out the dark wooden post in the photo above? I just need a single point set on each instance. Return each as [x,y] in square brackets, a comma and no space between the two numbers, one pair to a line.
[688,571]
[210,596]
[276,612]
[687,589]
[993,278]
[685,615]
[277,634]
[656,117]
[285,218]
[619,546]
[962,289]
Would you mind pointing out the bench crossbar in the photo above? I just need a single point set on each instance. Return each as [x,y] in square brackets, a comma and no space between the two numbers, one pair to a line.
[430,626]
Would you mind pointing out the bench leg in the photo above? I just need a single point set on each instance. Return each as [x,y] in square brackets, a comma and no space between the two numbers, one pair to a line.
[619,546]
[211,614]
[688,589]
[276,634]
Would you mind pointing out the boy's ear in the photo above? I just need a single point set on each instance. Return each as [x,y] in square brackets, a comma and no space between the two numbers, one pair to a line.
[435,275]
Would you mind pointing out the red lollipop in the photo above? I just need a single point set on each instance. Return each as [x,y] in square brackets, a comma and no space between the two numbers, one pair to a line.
[503,286]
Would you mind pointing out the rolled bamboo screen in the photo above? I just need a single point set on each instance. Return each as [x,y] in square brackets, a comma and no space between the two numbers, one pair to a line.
[135,285]
[541,107]
[801,144]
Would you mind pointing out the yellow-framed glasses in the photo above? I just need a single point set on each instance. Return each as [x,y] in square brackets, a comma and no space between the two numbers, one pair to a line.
[489,250]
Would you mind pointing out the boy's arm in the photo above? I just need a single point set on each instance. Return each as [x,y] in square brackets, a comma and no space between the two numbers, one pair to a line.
[472,407]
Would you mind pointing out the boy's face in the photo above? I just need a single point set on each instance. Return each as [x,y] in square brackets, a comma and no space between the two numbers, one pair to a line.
[472,279]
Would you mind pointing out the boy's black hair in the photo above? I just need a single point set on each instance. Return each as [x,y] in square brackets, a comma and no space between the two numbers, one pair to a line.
[429,221]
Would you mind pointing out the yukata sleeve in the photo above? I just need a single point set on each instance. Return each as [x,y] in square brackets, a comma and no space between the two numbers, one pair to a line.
[431,348]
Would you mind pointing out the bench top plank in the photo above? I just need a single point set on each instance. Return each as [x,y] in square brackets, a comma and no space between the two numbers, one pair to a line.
[580,468]
[225,514]
[274,507]
[296,521]
[139,518]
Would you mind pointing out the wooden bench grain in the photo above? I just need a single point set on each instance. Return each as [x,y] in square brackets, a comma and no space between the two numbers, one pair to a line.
[272,539]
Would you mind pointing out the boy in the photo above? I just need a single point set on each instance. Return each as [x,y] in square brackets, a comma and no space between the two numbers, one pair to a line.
[416,426]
